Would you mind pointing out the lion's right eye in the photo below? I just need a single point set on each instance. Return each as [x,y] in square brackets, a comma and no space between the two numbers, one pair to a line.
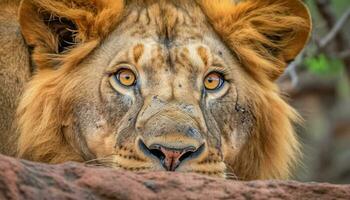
[124,77]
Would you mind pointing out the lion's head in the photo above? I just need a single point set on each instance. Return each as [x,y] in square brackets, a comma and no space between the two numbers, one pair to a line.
[175,85]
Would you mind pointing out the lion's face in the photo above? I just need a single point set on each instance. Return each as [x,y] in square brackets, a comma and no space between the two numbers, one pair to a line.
[152,99]
[162,90]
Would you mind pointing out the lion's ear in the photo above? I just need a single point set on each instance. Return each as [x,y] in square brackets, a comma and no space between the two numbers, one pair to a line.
[264,34]
[52,27]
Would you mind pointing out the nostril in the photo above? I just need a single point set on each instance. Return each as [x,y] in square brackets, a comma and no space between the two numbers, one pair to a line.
[154,150]
[157,153]
[192,153]
[186,155]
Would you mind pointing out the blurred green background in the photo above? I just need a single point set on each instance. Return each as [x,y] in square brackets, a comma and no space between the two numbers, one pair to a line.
[317,84]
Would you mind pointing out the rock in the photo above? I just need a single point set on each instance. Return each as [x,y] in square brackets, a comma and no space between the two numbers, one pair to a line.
[27,180]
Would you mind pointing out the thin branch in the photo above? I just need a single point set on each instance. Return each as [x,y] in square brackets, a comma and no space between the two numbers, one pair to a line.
[324,8]
[291,71]
[335,30]
[344,54]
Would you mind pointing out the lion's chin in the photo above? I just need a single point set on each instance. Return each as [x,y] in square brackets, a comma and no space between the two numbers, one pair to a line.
[213,174]
[212,169]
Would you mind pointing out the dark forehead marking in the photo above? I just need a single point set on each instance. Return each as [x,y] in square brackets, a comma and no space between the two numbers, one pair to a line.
[156,63]
[170,61]
[184,59]
[138,52]
[203,54]
[158,56]
[167,41]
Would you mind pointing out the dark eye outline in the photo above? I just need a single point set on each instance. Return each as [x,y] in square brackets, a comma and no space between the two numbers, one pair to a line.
[221,84]
[116,78]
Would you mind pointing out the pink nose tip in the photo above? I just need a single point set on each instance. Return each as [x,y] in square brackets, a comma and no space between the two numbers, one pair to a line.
[169,157]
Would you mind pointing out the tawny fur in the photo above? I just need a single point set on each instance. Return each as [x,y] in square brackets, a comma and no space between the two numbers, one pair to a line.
[14,71]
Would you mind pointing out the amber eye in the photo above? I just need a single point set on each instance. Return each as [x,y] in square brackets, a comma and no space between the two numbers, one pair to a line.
[126,77]
[213,81]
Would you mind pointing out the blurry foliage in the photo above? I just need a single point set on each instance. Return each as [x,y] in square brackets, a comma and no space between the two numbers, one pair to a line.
[321,63]
[324,65]
[320,29]
[322,96]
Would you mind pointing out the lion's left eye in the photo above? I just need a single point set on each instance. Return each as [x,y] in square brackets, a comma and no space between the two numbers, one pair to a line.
[124,77]
[213,81]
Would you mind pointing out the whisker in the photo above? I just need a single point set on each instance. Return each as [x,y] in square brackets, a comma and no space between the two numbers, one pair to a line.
[102,164]
[108,157]
[97,159]
[106,161]
[96,165]
[232,176]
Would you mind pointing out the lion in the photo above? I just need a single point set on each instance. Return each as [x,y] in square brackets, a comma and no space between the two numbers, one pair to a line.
[167,85]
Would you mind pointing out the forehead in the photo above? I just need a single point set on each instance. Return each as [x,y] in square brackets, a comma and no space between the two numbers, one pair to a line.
[166,22]
[170,32]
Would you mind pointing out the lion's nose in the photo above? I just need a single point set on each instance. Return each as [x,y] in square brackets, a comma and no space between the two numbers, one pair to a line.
[169,157]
